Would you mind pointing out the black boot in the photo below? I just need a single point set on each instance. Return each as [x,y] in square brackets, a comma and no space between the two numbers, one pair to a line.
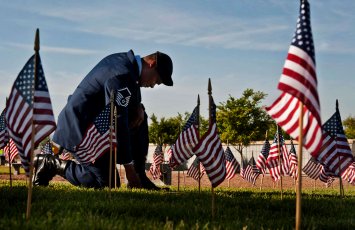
[146,183]
[46,167]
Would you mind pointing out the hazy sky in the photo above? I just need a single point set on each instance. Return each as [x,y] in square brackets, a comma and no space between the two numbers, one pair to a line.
[239,44]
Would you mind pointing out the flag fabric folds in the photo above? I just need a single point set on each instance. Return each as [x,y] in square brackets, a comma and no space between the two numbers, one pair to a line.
[210,152]
[293,161]
[312,169]
[4,134]
[232,165]
[194,170]
[261,161]
[273,161]
[10,151]
[299,84]
[246,172]
[47,149]
[187,140]
[24,107]
[96,140]
[335,153]
[349,174]
[158,159]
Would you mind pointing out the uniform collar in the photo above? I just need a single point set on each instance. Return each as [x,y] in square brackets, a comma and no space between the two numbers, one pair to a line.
[139,63]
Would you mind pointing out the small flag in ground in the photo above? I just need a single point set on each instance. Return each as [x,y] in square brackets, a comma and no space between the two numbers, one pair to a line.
[349,174]
[4,135]
[96,140]
[158,159]
[299,84]
[261,161]
[47,149]
[274,158]
[293,161]
[232,165]
[246,171]
[210,152]
[335,153]
[195,170]
[10,151]
[312,169]
[25,106]
[187,140]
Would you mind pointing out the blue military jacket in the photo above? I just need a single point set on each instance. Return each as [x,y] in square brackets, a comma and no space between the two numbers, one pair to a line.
[114,72]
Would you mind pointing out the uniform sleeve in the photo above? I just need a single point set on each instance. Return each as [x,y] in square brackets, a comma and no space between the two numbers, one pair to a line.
[119,85]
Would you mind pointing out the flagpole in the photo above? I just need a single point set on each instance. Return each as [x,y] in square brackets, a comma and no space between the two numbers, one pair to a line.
[209,116]
[29,195]
[299,169]
[340,181]
[10,164]
[115,156]
[280,161]
[198,137]
[111,127]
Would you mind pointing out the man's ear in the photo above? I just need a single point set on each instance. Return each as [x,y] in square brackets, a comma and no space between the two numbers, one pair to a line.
[152,63]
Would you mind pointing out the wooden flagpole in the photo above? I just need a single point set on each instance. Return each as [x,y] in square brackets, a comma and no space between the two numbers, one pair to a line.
[117,173]
[209,116]
[341,188]
[10,164]
[280,161]
[111,144]
[198,137]
[299,170]
[29,194]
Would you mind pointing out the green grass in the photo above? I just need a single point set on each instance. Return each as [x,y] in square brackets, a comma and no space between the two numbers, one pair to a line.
[62,206]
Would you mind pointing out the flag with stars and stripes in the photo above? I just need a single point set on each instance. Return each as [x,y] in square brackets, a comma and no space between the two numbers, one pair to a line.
[29,100]
[298,84]
[274,162]
[210,152]
[335,153]
[232,165]
[349,174]
[96,140]
[47,149]
[158,159]
[312,169]
[10,151]
[326,176]
[187,140]
[261,161]
[4,134]
[293,161]
[194,170]
[247,173]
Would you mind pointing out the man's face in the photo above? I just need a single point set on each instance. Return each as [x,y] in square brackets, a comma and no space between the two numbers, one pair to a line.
[150,79]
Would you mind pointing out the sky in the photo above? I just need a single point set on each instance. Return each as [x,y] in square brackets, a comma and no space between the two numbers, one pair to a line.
[238,44]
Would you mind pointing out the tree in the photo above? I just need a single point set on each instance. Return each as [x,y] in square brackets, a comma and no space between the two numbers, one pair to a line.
[243,120]
[349,127]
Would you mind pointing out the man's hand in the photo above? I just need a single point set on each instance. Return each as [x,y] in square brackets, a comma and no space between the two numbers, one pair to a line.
[132,177]
[138,117]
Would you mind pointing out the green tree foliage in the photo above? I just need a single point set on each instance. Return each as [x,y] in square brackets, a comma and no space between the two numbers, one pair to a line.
[242,120]
[166,131]
[349,127]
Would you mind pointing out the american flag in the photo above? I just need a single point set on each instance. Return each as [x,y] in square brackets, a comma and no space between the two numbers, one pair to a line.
[4,134]
[47,149]
[273,160]
[247,172]
[158,158]
[169,153]
[65,155]
[312,169]
[210,152]
[326,177]
[335,152]
[299,84]
[293,161]
[232,165]
[261,161]
[194,170]
[10,151]
[349,174]
[23,107]
[96,140]
[187,140]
